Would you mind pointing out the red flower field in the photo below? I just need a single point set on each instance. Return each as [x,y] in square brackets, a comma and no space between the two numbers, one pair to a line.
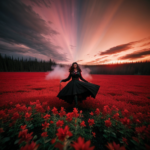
[131,92]
[118,118]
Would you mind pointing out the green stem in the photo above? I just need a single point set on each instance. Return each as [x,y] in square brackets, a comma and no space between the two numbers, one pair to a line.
[90,131]
[54,125]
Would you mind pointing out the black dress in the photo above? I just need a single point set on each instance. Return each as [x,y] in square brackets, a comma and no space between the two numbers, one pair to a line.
[77,87]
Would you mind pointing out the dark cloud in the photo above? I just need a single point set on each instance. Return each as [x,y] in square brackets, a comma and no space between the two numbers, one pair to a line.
[122,47]
[117,49]
[5,47]
[136,55]
[19,24]
[40,3]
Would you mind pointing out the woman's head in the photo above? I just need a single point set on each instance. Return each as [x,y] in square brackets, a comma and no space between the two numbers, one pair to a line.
[74,65]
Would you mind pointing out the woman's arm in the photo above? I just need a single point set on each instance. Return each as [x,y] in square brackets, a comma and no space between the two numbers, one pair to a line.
[68,78]
[82,78]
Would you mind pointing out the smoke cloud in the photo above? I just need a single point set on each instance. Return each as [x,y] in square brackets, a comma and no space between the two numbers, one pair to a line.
[59,72]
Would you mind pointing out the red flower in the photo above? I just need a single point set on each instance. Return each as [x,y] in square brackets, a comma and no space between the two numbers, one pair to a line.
[29,109]
[32,103]
[3,115]
[60,123]
[114,108]
[91,122]
[23,127]
[45,125]
[108,123]
[69,116]
[57,145]
[18,107]
[39,108]
[37,102]
[137,121]
[82,124]
[125,113]
[25,136]
[27,116]
[91,113]
[114,146]
[135,139]
[51,122]
[125,121]
[15,116]
[97,111]
[63,133]
[140,129]
[44,134]
[75,113]
[94,134]
[147,132]
[62,112]
[32,146]
[80,145]
[44,103]
[54,110]
[23,108]
[106,109]
[139,115]
[124,140]
[11,124]
[116,116]
[46,117]
[48,108]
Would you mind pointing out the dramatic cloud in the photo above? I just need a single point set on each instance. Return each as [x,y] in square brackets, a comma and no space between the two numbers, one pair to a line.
[122,47]
[74,30]
[117,49]
[40,3]
[21,25]
[135,55]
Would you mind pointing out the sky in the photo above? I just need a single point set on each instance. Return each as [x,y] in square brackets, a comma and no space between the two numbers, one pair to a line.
[90,32]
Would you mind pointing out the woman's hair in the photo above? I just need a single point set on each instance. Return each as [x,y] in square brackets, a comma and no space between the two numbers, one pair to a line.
[72,68]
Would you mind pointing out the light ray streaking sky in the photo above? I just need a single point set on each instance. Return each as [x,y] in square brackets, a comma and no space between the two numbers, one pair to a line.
[87,31]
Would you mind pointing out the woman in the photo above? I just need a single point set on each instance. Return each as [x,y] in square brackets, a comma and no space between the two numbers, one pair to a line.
[77,90]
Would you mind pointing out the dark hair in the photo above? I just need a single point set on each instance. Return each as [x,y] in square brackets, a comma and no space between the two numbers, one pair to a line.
[72,68]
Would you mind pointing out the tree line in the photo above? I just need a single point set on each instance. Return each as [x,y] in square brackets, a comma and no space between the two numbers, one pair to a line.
[9,64]
[136,68]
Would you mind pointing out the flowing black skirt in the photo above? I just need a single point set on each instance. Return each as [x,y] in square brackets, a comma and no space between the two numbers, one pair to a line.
[79,88]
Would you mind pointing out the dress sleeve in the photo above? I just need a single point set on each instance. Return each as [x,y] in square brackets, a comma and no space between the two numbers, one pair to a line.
[82,78]
[68,78]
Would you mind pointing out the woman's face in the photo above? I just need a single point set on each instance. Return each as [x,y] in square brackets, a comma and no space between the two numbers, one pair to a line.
[75,65]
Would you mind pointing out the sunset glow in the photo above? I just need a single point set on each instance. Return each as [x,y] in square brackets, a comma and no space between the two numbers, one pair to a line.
[90,32]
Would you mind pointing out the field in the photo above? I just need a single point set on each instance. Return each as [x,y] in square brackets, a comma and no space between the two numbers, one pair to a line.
[130,94]
[125,91]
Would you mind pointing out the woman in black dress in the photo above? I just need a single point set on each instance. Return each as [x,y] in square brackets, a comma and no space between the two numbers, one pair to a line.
[77,90]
